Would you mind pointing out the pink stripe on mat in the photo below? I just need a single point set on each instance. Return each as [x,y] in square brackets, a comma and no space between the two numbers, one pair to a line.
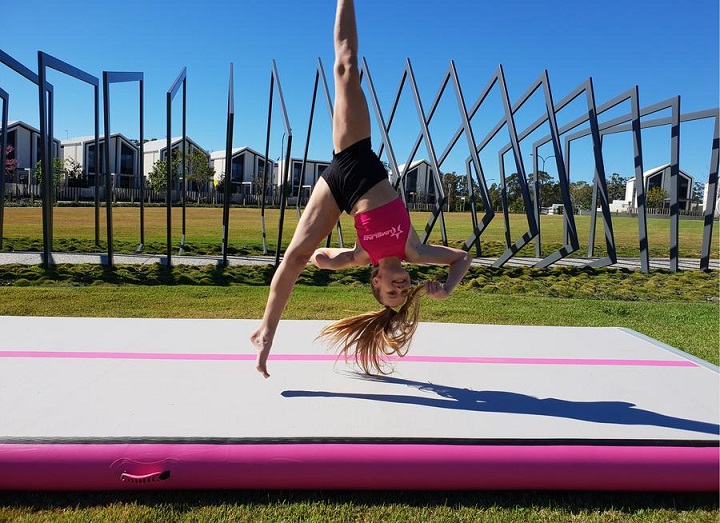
[331,357]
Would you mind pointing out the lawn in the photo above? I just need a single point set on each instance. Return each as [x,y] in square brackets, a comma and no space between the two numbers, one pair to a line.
[74,230]
[679,309]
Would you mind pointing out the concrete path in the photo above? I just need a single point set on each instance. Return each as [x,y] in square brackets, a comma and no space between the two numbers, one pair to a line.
[36,258]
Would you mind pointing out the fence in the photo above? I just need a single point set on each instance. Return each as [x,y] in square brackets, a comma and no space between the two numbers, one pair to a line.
[24,191]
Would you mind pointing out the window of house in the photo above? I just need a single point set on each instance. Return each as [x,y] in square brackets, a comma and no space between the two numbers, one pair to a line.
[90,163]
[411,181]
[655,181]
[11,141]
[237,169]
[127,160]
[296,178]
[684,187]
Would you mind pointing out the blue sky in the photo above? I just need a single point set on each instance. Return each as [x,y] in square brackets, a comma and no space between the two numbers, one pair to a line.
[667,48]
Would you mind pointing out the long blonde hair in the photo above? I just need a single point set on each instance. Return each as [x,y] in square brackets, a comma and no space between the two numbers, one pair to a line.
[376,335]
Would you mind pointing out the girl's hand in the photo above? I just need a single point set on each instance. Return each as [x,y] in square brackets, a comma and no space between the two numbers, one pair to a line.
[436,290]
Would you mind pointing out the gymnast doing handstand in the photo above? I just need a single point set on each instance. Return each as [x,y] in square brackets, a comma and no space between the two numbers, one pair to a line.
[357,182]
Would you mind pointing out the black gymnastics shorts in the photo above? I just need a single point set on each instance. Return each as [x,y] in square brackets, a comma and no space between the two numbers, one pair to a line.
[352,172]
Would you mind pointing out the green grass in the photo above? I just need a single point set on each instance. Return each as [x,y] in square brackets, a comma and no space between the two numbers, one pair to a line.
[395,507]
[679,309]
[74,231]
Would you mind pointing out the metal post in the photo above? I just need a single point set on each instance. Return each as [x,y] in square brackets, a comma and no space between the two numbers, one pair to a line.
[674,185]
[180,81]
[46,185]
[3,156]
[307,141]
[142,166]
[228,167]
[184,166]
[168,181]
[265,171]
[108,176]
[712,196]
[639,181]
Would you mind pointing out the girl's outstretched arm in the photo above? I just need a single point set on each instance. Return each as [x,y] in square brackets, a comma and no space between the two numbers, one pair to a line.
[458,260]
[317,221]
[334,258]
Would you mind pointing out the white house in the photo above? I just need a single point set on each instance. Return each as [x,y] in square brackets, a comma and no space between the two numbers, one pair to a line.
[124,159]
[246,170]
[707,199]
[25,141]
[313,169]
[155,150]
[660,177]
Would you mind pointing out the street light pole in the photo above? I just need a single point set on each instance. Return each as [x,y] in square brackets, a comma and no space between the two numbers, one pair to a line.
[536,192]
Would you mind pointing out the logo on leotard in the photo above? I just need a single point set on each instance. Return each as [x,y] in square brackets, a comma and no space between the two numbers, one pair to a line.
[394,231]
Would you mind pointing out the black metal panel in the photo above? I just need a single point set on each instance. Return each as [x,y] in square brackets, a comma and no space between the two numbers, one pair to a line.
[712,192]
[397,178]
[180,81]
[5,97]
[599,184]
[520,166]
[46,132]
[110,77]
[319,77]
[19,68]
[228,167]
[597,131]
[276,86]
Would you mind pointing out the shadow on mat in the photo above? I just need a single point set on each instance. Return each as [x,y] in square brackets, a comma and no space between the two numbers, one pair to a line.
[612,412]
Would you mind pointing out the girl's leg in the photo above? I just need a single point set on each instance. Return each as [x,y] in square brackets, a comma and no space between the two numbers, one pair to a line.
[351,119]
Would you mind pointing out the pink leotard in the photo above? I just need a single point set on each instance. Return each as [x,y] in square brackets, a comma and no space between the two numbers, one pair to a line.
[383,231]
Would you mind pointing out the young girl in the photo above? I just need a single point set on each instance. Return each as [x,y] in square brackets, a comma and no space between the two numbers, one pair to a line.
[356,182]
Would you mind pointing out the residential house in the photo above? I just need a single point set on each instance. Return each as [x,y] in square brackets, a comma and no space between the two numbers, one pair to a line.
[246,171]
[156,150]
[124,159]
[419,182]
[660,177]
[25,141]
[299,184]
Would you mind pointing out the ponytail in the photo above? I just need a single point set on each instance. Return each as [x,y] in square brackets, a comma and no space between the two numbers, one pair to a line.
[376,335]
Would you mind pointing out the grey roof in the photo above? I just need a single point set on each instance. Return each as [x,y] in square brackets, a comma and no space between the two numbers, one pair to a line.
[661,168]
[216,155]
[91,138]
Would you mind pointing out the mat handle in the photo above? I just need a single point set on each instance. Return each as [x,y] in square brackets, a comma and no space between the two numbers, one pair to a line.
[145,478]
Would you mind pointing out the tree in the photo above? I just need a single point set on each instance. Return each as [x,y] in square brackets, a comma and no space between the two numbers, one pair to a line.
[513,192]
[655,198]
[495,193]
[616,187]
[10,163]
[58,171]
[581,195]
[548,188]
[199,170]
[157,178]
[453,187]
[74,173]
[698,192]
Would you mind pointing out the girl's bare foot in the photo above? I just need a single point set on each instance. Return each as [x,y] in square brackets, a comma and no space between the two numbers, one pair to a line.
[263,343]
